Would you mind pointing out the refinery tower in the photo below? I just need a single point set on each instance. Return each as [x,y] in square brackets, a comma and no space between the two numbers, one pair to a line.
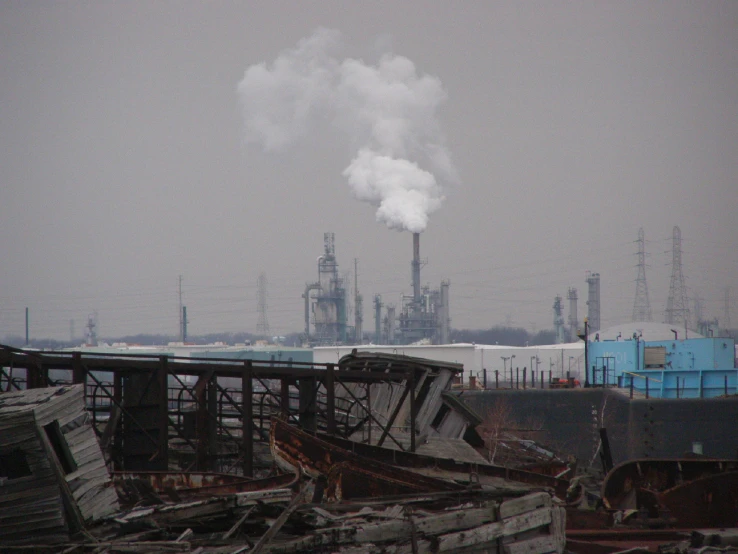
[423,315]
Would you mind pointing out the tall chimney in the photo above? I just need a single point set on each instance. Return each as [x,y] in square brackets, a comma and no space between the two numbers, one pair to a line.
[416,270]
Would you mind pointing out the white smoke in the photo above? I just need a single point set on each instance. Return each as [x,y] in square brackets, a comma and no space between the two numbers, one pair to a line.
[387,108]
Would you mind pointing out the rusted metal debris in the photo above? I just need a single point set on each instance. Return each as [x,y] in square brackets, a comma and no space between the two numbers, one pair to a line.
[284,521]
[346,474]
[687,493]
[156,487]
[415,462]
[374,481]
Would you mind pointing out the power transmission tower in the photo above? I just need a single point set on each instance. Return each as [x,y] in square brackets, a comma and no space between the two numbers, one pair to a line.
[677,309]
[641,305]
[262,326]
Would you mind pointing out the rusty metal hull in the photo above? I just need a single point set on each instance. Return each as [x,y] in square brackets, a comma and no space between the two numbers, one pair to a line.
[188,484]
[693,493]
[710,501]
[419,461]
[612,541]
[348,480]
[347,475]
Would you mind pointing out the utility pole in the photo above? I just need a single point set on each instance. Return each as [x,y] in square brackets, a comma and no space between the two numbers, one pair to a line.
[184,324]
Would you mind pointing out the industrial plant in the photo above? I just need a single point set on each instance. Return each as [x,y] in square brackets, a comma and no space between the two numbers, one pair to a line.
[423,315]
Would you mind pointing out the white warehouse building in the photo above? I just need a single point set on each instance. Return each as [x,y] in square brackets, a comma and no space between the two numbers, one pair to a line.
[558,359]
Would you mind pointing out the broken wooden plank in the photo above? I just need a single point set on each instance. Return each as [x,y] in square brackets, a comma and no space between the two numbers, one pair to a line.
[280,521]
[524,504]
[493,531]
[228,534]
[400,530]
[274,495]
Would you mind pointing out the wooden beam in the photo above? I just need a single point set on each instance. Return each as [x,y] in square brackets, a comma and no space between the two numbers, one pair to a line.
[280,521]
[392,418]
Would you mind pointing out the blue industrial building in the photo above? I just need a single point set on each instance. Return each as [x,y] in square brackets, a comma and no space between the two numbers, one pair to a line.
[678,368]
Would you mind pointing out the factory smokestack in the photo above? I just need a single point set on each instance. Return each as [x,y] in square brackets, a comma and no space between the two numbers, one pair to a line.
[416,270]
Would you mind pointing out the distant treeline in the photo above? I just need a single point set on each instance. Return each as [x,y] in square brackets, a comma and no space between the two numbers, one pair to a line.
[508,336]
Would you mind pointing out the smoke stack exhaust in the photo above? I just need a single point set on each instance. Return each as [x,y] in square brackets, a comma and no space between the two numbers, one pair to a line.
[416,270]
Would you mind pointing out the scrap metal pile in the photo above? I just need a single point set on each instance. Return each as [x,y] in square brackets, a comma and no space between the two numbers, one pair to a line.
[336,501]
[406,473]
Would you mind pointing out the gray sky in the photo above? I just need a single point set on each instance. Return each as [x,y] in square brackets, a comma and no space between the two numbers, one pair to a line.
[124,164]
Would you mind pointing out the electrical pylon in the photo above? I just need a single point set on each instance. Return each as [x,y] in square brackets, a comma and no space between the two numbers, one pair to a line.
[641,305]
[677,309]
[262,326]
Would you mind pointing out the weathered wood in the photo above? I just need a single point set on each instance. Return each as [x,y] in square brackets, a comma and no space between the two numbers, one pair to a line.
[45,503]
[393,416]
[280,521]
[539,545]
[558,527]
[110,427]
[524,504]
[252,497]
[228,534]
[186,534]
[493,531]
[400,530]
[75,519]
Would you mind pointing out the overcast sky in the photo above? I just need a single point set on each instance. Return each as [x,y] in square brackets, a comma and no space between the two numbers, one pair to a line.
[126,160]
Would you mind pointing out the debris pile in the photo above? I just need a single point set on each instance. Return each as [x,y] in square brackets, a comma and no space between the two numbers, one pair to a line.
[378,455]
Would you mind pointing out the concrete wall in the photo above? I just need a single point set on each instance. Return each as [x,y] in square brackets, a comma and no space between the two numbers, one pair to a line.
[569,420]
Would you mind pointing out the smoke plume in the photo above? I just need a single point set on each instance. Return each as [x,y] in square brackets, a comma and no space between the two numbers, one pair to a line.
[387,109]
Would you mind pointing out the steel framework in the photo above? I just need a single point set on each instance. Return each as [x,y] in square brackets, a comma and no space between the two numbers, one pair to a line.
[154,412]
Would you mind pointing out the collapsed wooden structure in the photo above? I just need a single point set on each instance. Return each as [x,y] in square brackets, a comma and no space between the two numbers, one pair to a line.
[382,450]
[53,477]
[214,414]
